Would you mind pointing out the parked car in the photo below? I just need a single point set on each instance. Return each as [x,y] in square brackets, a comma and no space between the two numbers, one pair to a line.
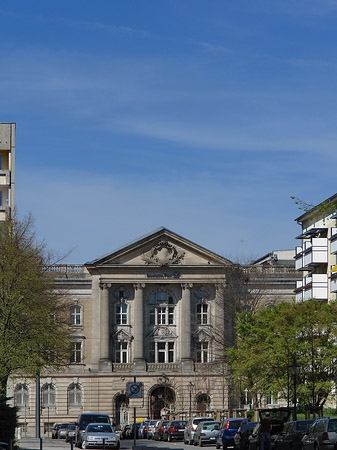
[174,430]
[95,433]
[278,417]
[159,431]
[225,436]
[71,432]
[241,441]
[292,434]
[142,432]
[191,426]
[321,434]
[205,433]
[150,428]
[63,430]
[55,431]
[83,421]
[130,431]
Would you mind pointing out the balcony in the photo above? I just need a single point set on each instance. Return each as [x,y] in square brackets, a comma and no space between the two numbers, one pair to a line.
[313,253]
[333,241]
[333,282]
[5,178]
[314,286]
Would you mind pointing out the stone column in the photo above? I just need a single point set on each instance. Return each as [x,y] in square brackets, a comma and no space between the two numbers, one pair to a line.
[138,328]
[185,328]
[105,362]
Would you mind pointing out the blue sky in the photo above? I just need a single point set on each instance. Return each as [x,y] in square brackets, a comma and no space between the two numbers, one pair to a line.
[200,116]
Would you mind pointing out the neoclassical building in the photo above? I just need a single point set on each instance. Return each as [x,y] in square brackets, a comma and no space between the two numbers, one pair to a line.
[153,311]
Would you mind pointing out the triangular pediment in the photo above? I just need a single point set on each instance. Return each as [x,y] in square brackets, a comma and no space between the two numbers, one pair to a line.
[162,332]
[161,248]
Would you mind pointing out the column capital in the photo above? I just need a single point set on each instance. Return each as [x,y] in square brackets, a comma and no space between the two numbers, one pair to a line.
[139,286]
[185,286]
[104,285]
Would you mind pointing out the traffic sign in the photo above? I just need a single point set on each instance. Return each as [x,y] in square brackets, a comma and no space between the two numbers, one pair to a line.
[134,390]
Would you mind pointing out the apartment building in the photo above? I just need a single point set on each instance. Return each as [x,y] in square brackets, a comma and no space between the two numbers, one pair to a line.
[316,257]
[7,169]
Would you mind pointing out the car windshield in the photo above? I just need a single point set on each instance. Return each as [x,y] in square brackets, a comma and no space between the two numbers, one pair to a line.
[234,424]
[65,425]
[71,427]
[99,428]
[85,420]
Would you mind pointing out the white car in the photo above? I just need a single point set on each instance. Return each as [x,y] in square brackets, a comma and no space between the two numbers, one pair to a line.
[98,433]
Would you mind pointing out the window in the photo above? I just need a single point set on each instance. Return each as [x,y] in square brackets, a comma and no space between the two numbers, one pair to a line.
[161,310]
[21,396]
[48,395]
[0,162]
[0,198]
[202,313]
[122,314]
[121,294]
[74,395]
[121,352]
[161,352]
[202,352]
[76,315]
[76,353]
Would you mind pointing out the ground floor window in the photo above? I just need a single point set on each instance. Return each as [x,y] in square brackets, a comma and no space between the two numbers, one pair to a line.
[161,352]
[21,396]
[74,395]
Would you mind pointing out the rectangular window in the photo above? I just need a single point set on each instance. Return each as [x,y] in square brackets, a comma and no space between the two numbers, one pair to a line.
[202,315]
[161,352]
[76,315]
[121,355]
[202,352]
[76,352]
[122,314]
[170,315]
[161,315]
[152,316]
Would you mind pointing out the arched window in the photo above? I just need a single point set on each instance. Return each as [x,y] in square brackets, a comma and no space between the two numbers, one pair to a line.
[48,395]
[21,396]
[76,315]
[74,394]
[203,402]
[161,308]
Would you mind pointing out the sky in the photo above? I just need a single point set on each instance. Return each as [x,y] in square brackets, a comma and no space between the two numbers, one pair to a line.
[201,116]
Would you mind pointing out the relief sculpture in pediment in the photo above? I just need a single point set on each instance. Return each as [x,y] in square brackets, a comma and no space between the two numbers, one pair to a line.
[163,254]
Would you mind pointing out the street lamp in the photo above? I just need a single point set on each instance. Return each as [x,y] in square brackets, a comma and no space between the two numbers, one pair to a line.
[191,385]
[294,369]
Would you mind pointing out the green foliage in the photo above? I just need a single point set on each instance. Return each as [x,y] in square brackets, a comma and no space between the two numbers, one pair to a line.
[269,340]
[322,209]
[33,332]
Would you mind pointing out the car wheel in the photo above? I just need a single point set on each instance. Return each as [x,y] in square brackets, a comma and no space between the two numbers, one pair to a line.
[217,446]
[118,445]
[169,438]
[195,443]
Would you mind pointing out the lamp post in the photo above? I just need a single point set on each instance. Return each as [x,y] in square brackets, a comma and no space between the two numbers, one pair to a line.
[294,369]
[190,385]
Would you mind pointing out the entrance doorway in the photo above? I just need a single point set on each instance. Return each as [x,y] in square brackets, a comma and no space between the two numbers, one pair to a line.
[162,399]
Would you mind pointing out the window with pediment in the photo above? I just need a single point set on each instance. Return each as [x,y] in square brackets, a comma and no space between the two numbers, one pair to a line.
[161,306]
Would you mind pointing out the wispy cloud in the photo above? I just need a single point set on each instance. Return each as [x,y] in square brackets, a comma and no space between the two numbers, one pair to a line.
[212,48]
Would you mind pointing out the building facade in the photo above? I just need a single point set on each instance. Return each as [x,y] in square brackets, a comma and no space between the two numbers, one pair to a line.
[316,257]
[7,169]
[158,311]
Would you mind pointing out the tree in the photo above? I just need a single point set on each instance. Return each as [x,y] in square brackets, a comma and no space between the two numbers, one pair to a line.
[33,326]
[271,338]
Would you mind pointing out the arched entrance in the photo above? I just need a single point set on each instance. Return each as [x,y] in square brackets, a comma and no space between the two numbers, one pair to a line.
[203,402]
[121,408]
[162,398]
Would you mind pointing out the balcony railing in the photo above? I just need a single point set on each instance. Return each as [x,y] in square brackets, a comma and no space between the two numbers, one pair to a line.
[314,286]
[313,252]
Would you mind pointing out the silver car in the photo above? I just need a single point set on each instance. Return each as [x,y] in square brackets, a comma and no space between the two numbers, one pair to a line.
[321,434]
[191,426]
[205,433]
[98,433]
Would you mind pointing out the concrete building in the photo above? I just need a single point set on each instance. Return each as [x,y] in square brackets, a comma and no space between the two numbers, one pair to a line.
[7,169]
[157,311]
[316,257]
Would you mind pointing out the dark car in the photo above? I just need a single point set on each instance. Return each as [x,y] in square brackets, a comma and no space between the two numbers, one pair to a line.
[174,430]
[278,417]
[159,431]
[225,436]
[83,421]
[130,431]
[241,438]
[292,434]
[124,431]
[55,431]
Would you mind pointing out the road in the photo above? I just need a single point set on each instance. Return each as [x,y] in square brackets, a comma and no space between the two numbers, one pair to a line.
[142,444]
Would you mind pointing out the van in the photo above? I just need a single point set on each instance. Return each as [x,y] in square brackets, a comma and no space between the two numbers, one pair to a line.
[81,424]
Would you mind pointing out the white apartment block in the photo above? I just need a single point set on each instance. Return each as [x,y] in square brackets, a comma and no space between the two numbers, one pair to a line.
[316,258]
[7,169]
